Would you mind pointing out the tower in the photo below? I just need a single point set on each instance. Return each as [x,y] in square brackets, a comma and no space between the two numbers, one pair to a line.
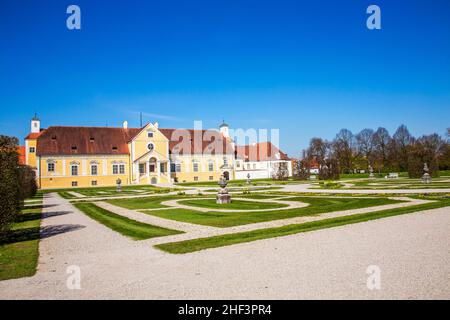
[35,124]
[224,129]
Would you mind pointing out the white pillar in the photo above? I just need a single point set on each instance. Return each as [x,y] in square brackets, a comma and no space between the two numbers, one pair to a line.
[158,169]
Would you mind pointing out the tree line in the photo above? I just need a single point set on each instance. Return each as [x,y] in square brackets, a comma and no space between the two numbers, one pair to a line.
[351,153]
[17,182]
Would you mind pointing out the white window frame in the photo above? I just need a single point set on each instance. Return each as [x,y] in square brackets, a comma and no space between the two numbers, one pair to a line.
[52,164]
[96,170]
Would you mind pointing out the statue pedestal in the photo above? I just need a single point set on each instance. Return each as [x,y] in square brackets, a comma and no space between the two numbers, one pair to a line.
[223,198]
[426,178]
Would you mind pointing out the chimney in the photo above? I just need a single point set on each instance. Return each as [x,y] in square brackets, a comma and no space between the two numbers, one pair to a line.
[156,125]
[125,124]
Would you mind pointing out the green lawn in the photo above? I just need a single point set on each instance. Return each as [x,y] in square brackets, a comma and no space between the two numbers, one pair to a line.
[110,191]
[133,229]
[19,248]
[317,205]
[142,203]
[225,240]
[234,205]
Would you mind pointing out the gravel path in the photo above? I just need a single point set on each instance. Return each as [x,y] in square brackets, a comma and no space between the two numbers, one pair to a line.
[412,251]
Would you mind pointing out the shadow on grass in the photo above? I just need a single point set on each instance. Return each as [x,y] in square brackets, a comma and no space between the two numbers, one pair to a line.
[38,206]
[27,234]
[37,215]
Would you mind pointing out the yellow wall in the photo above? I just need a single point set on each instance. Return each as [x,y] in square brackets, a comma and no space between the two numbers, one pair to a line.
[141,154]
[31,157]
[62,177]
[188,174]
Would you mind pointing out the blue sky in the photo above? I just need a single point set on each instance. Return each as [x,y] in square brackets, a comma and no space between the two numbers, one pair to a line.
[308,68]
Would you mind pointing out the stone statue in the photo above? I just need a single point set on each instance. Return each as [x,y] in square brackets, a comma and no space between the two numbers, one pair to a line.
[426,178]
[223,195]
[248,178]
[119,185]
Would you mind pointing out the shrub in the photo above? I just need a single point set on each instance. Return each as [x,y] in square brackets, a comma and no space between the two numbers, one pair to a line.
[330,185]
[11,198]
[27,180]
[181,193]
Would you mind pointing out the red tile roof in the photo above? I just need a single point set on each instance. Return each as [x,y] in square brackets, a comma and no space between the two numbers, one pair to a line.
[60,140]
[34,135]
[21,151]
[84,140]
[189,141]
[262,151]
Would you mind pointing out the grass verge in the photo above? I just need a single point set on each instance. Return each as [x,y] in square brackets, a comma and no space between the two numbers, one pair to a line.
[131,228]
[19,248]
[230,239]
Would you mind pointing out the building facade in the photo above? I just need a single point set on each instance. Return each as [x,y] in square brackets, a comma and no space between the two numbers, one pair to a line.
[66,157]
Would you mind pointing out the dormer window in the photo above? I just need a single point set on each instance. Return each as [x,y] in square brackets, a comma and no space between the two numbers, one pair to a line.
[114,148]
[74,148]
[91,139]
[53,138]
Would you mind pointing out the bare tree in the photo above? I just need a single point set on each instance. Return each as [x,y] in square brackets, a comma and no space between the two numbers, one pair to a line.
[381,141]
[365,145]
[280,171]
[402,142]
[344,148]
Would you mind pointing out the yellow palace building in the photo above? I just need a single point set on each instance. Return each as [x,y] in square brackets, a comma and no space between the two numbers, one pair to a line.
[65,157]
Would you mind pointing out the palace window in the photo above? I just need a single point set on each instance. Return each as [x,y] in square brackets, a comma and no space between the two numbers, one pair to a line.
[211,166]
[32,150]
[175,167]
[254,166]
[161,167]
[195,167]
[74,184]
[238,164]
[94,169]
[150,134]
[74,170]
[118,169]
[142,168]
[51,167]
[93,182]
[195,178]
[248,166]
[225,161]
[211,178]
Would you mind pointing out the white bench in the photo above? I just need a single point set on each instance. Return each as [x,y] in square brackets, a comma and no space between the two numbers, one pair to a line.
[392,175]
